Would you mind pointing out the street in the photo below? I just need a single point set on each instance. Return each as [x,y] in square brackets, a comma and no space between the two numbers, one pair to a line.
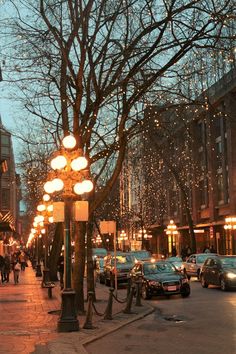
[204,323]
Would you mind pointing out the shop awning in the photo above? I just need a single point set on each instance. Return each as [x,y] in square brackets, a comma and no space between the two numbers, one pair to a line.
[7,222]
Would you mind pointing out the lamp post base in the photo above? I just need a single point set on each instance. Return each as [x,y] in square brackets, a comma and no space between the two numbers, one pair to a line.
[38,270]
[68,321]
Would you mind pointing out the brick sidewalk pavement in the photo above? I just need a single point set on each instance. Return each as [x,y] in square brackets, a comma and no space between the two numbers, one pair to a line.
[25,322]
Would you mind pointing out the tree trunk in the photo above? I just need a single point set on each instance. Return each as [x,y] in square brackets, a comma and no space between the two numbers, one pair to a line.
[55,251]
[79,267]
[90,263]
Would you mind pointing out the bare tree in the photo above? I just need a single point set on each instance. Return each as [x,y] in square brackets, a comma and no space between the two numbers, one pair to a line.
[89,67]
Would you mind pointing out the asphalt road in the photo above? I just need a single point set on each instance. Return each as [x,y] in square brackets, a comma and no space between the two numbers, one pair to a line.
[204,323]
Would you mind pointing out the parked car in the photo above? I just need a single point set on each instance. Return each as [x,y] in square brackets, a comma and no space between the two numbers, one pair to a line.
[220,271]
[99,252]
[192,266]
[160,278]
[142,255]
[177,262]
[124,263]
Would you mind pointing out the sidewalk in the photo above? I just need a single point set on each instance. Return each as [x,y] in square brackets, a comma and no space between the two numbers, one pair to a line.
[26,326]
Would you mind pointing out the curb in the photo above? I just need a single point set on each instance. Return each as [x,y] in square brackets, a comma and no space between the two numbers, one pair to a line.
[75,342]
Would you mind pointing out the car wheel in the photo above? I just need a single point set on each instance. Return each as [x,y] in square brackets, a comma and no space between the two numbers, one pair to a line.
[223,285]
[145,293]
[203,282]
[186,291]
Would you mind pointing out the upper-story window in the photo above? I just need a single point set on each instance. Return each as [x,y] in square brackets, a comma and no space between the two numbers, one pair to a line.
[5,140]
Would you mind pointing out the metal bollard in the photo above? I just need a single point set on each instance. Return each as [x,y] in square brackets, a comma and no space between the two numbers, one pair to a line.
[138,291]
[108,312]
[128,286]
[129,301]
[88,321]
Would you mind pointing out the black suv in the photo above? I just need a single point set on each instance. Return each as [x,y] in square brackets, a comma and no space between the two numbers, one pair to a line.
[124,263]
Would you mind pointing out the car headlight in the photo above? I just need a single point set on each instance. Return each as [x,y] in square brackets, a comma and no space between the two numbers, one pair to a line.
[231,275]
[154,283]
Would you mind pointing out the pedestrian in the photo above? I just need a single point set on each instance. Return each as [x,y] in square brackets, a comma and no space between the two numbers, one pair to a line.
[7,269]
[188,251]
[206,250]
[60,268]
[22,260]
[2,264]
[184,253]
[16,271]
[212,249]
[174,251]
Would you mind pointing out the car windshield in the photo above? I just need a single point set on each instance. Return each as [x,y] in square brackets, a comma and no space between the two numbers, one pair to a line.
[228,262]
[175,259]
[156,268]
[202,258]
[123,259]
[142,254]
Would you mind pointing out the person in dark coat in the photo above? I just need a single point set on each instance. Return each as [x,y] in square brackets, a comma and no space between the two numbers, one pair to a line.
[60,269]
[2,265]
[7,269]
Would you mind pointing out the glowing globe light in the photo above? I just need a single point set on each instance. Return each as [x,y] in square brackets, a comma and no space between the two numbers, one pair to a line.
[58,184]
[58,162]
[41,207]
[69,142]
[46,197]
[78,188]
[50,208]
[79,164]
[50,219]
[43,231]
[87,186]
[48,187]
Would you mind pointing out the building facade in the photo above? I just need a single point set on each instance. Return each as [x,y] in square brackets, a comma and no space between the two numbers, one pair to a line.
[193,174]
[10,194]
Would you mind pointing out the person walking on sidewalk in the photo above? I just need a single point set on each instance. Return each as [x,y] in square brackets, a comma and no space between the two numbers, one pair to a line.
[2,265]
[16,271]
[7,268]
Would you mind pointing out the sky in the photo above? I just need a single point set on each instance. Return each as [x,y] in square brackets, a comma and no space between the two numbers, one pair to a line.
[8,108]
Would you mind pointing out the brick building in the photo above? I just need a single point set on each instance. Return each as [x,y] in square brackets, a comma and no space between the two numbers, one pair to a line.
[209,157]
[10,226]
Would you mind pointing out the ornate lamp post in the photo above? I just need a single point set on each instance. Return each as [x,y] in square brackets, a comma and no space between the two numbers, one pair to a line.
[70,180]
[38,226]
[45,209]
[122,238]
[171,232]
[230,225]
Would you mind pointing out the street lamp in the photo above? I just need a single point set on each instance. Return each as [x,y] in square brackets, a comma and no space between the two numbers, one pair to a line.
[172,233]
[122,238]
[45,209]
[230,225]
[38,227]
[69,179]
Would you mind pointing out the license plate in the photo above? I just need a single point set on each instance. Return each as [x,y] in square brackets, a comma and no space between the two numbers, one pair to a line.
[171,288]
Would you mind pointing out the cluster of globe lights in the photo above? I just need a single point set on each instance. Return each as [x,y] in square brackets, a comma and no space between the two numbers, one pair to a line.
[37,224]
[78,164]
[39,220]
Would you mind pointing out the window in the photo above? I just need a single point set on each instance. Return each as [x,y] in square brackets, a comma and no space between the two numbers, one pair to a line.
[5,140]
[5,150]
[5,199]
[220,188]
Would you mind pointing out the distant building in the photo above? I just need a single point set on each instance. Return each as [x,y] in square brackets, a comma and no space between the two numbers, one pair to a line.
[209,179]
[10,193]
